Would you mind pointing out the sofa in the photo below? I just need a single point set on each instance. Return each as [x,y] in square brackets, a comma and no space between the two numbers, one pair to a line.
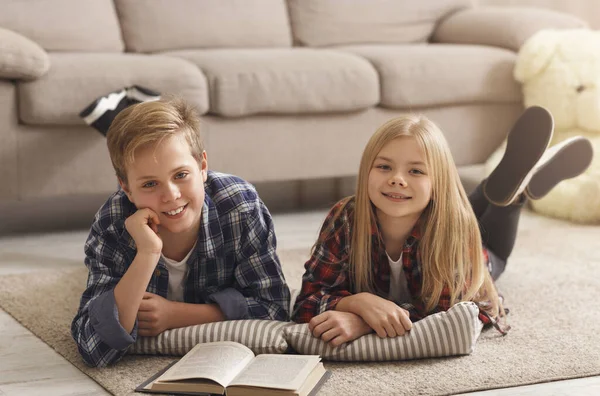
[289,90]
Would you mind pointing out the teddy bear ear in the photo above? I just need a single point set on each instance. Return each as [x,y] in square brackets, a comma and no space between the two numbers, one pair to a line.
[535,54]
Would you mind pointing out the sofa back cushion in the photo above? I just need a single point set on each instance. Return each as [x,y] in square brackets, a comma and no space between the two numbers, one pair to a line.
[64,25]
[161,25]
[334,22]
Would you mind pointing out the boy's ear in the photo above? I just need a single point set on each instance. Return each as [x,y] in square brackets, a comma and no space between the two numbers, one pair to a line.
[204,166]
[124,186]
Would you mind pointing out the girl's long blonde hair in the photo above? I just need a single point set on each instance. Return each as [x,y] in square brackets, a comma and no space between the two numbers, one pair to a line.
[450,248]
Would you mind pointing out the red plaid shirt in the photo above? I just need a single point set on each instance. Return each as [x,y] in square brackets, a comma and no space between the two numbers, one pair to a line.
[326,279]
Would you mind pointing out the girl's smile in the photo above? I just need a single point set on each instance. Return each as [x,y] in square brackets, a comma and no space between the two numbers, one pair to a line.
[396,197]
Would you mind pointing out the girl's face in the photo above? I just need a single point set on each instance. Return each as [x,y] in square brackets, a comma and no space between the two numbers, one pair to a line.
[399,182]
[168,179]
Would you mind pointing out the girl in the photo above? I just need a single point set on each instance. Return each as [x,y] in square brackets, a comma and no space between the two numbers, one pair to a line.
[411,243]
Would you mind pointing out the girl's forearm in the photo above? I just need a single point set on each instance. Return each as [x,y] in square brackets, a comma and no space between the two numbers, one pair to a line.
[350,304]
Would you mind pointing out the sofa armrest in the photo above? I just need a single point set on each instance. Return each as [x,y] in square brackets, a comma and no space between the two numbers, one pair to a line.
[21,58]
[506,27]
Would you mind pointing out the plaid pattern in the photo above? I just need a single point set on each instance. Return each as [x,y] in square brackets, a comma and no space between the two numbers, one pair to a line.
[235,250]
[326,279]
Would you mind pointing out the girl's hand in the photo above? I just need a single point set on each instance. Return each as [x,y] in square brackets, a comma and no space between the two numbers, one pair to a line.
[383,316]
[143,228]
[337,327]
[153,315]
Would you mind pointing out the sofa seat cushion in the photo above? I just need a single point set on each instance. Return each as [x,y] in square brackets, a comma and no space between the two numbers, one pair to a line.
[441,74]
[285,80]
[76,79]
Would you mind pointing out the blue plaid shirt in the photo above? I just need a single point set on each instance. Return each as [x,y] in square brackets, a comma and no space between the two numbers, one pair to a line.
[234,265]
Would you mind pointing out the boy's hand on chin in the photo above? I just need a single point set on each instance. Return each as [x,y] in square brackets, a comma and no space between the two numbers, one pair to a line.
[384,316]
[143,228]
[153,315]
[336,327]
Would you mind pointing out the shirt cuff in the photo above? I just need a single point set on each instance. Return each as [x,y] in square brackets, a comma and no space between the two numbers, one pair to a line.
[104,318]
[232,303]
[330,302]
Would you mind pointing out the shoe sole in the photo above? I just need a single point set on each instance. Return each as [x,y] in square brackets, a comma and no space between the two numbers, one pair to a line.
[525,145]
[570,161]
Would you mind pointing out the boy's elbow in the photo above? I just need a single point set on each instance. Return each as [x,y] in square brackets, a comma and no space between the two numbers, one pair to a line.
[282,315]
[93,356]
[95,360]
[91,359]
[94,363]
[281,312]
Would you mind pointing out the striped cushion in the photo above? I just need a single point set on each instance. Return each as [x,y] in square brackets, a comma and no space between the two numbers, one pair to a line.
[443,334]
[261,336]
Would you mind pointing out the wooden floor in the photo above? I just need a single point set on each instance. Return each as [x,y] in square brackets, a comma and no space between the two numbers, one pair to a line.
[28,367]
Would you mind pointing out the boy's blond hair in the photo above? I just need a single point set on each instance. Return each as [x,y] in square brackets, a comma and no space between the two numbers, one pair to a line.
[149,123]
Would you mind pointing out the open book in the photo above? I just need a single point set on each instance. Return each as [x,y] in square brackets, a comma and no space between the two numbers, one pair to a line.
[231,368]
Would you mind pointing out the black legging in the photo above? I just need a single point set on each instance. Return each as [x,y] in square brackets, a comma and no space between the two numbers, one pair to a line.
[498,226]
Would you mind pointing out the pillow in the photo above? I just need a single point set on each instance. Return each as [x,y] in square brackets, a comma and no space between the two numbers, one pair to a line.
[449,333]
[21,58]
[261,336]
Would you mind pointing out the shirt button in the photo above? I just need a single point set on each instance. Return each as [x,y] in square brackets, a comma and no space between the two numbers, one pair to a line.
[157,272]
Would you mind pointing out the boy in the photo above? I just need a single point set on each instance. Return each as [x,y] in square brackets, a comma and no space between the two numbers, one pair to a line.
[176,245]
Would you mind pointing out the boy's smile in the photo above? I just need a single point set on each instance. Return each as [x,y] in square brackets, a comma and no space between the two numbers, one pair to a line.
[176,213]
[167,179]
[399,182]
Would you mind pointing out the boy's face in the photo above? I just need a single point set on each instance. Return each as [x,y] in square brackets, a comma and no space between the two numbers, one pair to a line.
[399,182]
[167,179]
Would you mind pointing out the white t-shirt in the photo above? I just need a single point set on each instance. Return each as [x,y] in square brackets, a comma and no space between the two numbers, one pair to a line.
[398,287]
[177,271]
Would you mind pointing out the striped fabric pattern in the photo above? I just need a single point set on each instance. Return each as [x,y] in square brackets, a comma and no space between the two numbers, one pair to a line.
[449,333]
[261,336]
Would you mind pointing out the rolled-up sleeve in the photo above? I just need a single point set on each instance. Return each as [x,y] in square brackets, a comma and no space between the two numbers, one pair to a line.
[232,303]
[96,329]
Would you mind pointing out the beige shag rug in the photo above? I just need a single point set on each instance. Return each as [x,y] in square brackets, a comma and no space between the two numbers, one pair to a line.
[552,286]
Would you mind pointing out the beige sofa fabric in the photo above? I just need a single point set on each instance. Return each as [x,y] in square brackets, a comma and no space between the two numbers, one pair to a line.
[323,146]
[75,80]
[501,26]
[285,81]
[64,161]
[160,25]
[9,188]
[436,74]
[332,22]
[21,58]
[64,25]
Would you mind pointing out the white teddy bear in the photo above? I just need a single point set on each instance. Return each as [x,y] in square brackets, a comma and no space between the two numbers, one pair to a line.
[560,70]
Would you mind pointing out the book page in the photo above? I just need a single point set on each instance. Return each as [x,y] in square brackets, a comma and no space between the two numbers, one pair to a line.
[218,361]
[277,371]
